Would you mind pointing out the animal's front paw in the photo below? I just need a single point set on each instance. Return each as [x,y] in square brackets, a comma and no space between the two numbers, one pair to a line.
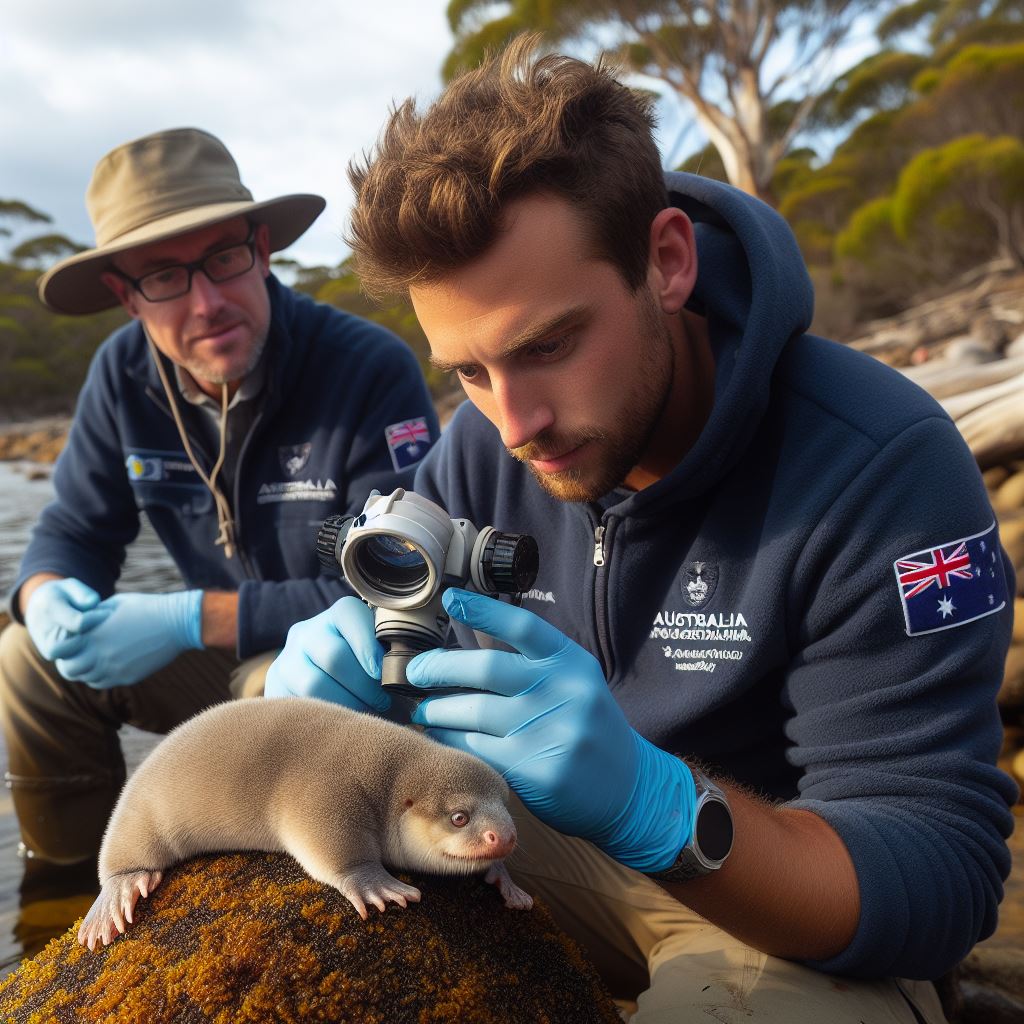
[370,883]
[112,912]
[515,898]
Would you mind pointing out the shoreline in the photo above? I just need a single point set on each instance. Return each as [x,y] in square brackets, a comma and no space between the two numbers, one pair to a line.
[40,439]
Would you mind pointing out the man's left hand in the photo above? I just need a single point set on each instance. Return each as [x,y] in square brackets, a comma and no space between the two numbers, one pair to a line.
[545,719]
[142,633]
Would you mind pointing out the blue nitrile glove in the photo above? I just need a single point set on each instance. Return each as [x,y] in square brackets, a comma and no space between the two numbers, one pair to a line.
[545,719]
[59,614]
[141,633]
[334,656]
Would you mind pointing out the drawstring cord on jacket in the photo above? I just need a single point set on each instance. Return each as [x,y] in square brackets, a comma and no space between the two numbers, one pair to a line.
[225,521]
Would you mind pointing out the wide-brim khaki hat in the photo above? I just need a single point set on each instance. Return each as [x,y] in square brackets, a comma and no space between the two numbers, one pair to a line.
[154,188]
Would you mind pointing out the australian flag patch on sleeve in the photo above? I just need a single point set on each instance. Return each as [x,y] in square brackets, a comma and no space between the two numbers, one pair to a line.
[408,441]
[951,584]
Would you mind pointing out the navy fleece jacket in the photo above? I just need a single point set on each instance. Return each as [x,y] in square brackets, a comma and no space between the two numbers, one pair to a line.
[318,446]
[750,609]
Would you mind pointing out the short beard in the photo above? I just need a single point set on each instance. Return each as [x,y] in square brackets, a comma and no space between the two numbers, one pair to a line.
[621,451]
[202,372]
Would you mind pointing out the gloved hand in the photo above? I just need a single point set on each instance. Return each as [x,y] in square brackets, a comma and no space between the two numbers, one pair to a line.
[59,615]
[334,656]
[141,633]
[545,719]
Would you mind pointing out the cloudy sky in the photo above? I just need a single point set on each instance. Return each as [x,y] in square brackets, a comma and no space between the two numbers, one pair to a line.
[295,89]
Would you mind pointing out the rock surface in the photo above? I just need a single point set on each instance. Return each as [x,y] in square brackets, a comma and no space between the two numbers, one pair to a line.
[38,441]
[250,938]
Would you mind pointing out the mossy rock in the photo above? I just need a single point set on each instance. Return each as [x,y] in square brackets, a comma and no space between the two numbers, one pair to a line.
[251,938]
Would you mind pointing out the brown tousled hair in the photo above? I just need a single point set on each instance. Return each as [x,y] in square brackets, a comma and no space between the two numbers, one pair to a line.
[430,198]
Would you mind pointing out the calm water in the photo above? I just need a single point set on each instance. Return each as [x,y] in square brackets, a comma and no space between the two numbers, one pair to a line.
[146,567]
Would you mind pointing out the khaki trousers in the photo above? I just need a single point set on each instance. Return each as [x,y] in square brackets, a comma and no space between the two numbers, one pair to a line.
[65,766]
[678,968]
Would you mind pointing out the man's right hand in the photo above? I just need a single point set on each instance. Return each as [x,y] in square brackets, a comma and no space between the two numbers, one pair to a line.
[334,656]
[60,613]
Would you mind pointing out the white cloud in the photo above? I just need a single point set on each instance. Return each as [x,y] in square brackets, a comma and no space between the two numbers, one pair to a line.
[295,91]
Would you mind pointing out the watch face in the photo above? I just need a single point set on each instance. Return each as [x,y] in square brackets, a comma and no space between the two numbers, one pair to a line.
[714,830]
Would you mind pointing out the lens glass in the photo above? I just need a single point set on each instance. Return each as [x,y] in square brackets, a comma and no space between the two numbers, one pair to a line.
[392,565]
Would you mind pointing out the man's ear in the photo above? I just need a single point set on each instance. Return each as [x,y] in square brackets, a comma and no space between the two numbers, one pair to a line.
[261,239]
[672,264]
[123,290]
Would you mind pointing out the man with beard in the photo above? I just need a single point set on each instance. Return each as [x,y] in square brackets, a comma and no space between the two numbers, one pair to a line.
[237,413]
[749,706]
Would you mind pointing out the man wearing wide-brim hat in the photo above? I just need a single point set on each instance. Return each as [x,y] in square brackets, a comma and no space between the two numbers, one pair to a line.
[237,413]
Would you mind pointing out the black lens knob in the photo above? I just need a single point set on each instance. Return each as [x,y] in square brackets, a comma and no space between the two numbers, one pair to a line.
[327,546]
[510,562]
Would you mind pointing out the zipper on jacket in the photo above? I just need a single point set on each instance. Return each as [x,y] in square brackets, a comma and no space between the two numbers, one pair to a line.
[249,567]
[604,647]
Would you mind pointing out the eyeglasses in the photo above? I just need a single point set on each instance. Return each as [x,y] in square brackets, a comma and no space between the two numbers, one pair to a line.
[174,281]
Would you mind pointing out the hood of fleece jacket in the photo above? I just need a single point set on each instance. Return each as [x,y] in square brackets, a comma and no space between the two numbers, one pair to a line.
[754,290]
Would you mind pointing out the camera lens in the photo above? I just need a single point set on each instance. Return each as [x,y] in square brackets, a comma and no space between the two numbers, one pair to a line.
[391,564]
[329,541]
[510,562]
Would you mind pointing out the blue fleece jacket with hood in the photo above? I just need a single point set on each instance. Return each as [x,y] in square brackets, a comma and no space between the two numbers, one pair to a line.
[318,446]
[754,610]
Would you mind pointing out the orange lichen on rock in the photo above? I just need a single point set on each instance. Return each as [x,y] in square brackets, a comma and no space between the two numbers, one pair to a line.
[250,938]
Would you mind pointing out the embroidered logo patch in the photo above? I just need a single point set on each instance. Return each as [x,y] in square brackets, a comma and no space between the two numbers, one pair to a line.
[145,466]
[297,490]
[951,584]
[293,457]
[141,468]
[698,582]
[407,441]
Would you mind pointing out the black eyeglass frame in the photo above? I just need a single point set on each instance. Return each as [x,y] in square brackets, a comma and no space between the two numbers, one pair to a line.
[196,265]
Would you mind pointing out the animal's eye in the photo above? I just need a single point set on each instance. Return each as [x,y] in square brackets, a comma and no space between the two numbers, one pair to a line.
[460,819]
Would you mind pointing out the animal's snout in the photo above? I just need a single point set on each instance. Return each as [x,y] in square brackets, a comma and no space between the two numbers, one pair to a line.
[498,843]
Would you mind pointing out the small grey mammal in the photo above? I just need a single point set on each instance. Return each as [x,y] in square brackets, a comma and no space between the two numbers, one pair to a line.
[342,792]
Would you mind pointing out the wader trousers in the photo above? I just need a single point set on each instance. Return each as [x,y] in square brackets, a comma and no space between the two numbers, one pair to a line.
[666,965]
[65,765]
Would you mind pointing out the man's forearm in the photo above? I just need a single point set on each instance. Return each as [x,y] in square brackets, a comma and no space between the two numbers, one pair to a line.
[220,619]
[28,588]
[789,887]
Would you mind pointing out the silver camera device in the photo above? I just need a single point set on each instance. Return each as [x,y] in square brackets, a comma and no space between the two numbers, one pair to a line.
[401,553]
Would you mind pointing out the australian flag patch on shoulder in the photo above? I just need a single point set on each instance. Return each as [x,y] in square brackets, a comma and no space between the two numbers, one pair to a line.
[951,584]
[408,441]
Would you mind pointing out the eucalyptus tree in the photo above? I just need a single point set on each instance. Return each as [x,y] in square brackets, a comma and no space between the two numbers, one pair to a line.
[751,71]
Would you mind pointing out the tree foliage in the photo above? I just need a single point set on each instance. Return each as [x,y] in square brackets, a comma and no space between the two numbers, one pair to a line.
[42,250]
[15,209]
[928,181]
[751,71]
[973,182]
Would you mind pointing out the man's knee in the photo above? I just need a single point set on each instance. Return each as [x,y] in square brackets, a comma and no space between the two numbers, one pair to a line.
[62,787]
[17,656]
[28,682]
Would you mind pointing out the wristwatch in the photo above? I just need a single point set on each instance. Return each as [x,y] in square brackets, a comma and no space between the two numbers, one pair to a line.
[712,835]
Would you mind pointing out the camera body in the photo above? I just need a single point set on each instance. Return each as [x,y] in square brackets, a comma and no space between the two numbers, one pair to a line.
[402,552]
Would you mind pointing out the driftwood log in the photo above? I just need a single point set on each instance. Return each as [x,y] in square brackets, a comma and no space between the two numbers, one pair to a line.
[956,379]
[995,431]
